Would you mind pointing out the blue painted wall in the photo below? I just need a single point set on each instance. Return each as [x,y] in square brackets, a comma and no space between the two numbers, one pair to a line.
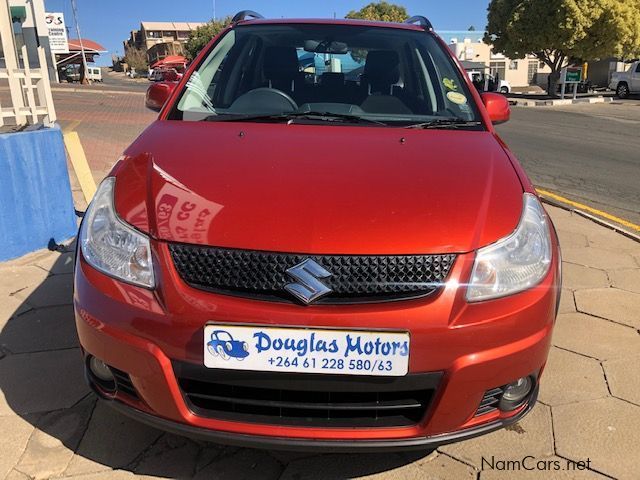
[35,195]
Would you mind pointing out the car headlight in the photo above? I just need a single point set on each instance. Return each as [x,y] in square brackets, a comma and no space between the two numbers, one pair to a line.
[110,245]
[517,262]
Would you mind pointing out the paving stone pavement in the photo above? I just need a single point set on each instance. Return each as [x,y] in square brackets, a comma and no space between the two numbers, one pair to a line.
[589,404]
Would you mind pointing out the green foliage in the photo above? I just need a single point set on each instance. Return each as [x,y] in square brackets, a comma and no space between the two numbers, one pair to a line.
[557,31]
[137,59]
[619,26]
[382,11]
[201,36]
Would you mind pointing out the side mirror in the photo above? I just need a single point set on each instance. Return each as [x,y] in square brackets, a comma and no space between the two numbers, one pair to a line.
[497,106]
[158,94]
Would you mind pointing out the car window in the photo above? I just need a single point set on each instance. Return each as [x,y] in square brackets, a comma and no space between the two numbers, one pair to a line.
[395,76]
[638,68]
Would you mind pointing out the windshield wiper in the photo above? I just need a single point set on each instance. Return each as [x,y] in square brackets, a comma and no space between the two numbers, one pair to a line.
[278,117]
[446,123]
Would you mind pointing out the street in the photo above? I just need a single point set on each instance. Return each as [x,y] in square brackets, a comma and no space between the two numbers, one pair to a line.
[588,153]
[106,122]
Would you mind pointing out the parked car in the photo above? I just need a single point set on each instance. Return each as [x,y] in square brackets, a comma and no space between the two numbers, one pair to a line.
[164,74]
[368,245]
[94,74]
[69,73]
[627,82]
[485,82]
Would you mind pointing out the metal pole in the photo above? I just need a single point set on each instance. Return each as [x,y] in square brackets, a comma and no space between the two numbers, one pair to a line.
[84,58]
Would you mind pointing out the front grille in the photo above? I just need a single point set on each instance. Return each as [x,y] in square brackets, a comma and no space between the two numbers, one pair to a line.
[306,399]
[354,279]
[490,401]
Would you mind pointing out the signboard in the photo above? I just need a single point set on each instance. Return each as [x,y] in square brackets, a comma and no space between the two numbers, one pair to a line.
[571,75]
[57,33]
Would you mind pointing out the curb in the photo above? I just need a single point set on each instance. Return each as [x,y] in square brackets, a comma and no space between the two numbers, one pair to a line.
[527,92]
[593,218]
[83,90]
[555,103]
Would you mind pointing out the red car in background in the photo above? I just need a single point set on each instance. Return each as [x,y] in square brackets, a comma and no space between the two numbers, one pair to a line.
[294,257]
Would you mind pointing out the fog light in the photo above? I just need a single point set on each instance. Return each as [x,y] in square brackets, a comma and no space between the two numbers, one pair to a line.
[101,370]
[516,393]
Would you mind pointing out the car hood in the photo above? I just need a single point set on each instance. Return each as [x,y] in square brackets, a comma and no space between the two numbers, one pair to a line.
[319,189]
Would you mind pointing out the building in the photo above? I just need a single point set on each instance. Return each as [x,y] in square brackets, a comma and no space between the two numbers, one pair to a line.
[30,30]
[70,64]
[160,39]
[469,46]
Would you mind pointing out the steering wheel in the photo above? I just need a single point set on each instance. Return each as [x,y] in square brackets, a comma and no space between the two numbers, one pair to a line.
[264,100]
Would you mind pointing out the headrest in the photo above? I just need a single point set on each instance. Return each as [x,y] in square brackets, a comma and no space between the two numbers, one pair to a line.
[331,79]
[382,68]
[280,63]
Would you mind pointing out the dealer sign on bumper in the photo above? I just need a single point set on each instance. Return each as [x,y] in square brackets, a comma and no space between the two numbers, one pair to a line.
[297,350]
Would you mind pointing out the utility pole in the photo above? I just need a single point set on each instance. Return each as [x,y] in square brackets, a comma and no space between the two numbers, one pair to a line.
[74,7]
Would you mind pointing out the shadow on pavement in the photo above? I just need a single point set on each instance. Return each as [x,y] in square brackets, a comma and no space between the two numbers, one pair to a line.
[58,428]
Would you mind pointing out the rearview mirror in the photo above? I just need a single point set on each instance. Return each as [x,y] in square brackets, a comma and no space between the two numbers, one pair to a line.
[497,106]
[326,46]
[158,94]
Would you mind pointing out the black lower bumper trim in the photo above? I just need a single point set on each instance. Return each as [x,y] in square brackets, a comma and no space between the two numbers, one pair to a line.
[304,444]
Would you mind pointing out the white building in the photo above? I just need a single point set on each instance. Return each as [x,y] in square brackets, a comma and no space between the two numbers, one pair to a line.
[522,72]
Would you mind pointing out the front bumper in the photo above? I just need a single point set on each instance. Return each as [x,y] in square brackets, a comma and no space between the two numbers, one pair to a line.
[477,347]
[312,445]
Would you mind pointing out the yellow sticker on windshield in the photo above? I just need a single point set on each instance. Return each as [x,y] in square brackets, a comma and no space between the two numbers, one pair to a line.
[457,98]
[449,84]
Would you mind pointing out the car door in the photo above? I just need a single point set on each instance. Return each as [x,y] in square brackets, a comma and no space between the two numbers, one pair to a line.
[635,78]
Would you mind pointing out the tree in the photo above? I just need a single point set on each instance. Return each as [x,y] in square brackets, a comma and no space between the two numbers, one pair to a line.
[136,58]
[559,31]
[382,11]
[201,36]
[472,28]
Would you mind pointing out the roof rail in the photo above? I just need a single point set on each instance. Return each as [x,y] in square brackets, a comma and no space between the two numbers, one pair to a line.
[244,14]
[420,20]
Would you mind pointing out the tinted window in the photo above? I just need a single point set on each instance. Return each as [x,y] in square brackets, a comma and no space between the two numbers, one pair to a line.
[387,74]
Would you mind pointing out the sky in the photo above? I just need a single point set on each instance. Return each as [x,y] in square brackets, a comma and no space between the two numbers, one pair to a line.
[110,22]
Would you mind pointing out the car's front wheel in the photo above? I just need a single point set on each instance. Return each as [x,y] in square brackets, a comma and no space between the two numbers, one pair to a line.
[622,91]
[504,90]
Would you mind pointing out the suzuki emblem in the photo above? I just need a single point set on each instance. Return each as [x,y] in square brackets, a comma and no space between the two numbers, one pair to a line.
[308,287]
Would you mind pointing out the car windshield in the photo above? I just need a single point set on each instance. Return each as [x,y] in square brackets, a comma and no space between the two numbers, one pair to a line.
[328,73]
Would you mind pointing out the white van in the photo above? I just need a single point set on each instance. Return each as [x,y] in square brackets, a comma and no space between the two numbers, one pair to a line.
[94,74]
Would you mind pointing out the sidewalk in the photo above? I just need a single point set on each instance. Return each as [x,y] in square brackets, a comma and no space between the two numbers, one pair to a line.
[589,406]
[547,102]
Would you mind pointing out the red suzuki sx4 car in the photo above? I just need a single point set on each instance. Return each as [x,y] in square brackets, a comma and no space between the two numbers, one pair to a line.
[321,243]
